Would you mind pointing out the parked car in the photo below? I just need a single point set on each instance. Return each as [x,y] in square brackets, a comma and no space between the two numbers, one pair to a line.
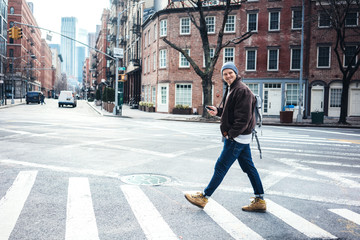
[33,97]
[67,98]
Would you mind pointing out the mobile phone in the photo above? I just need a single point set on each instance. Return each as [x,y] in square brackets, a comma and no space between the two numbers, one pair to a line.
[209,108]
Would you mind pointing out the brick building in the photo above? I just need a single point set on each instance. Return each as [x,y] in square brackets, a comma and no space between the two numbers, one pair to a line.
[269,61]
[47,77]
[23,54]
[102,45]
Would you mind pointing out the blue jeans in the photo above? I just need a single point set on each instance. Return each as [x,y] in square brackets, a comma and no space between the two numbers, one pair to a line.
[233,150]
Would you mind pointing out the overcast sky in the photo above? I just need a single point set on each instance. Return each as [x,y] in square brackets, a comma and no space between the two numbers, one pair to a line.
[48,14]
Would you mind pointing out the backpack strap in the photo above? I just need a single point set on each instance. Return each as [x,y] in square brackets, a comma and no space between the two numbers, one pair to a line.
[254,133]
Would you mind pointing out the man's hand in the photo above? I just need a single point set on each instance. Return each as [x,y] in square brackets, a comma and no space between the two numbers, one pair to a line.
[212,110]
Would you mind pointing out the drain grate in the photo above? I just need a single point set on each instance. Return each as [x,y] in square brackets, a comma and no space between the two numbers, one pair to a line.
[145,179]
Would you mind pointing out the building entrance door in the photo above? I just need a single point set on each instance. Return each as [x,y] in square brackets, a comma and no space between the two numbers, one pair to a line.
[317,99]
[272,101]
[354,102]
[163,98]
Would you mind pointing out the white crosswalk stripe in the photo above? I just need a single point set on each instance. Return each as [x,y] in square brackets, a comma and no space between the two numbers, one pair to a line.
[13,202]
[297,222]
[80,217]
[147,215]
[349,215]
[81,220]
[229,222]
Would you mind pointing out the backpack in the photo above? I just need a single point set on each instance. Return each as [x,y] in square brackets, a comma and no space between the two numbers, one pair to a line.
[258,119]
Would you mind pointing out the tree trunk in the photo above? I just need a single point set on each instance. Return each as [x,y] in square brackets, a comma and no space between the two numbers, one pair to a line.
[207,87]
[344,101]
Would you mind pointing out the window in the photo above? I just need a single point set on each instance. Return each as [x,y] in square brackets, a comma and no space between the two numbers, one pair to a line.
[149,37]
[210,23]
[12,11]
[145,67]
[229,55]
[292,94]
[324,20]
[350,57]
[351,19]
[254,87]
[230,24]
[162,58]
[163,95]
[145,38]
[295,59]
[323,57]
[153,100]
[212,52]
[183,94]
[183,61]
[149,66]
[154,61]
[155,32]
[252,22]
[185,26]
[335,97]
[163,27]
[273,59]
[274,21]
[251,60]
[296,19]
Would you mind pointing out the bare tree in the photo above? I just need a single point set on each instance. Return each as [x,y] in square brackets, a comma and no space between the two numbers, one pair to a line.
[197,13]
[341,14]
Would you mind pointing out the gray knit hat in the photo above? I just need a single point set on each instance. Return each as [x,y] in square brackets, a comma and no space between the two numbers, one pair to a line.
[230,65]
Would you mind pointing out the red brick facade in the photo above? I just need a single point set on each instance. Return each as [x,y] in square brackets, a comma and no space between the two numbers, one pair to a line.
[276,45]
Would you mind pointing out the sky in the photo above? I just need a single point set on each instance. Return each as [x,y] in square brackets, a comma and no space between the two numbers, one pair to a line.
[48,14]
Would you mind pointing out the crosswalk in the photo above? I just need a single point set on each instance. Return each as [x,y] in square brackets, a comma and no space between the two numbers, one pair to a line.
[81,222]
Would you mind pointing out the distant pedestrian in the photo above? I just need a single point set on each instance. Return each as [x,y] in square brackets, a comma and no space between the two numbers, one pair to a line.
[42,99]
[237,121]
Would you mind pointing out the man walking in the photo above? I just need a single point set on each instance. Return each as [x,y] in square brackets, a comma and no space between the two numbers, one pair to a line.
[237,121]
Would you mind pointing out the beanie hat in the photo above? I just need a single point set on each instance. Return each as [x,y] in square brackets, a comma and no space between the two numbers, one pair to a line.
[230,65]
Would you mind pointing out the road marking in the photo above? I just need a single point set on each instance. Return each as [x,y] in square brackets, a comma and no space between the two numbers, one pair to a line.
[80,216]
[340,180]
[297,222]
[347,141]
[316,130]
[229,222]
[149,218]
[13,202]
[349,215]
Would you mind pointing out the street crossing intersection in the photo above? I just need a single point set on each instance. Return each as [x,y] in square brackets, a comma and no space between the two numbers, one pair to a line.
[81,218]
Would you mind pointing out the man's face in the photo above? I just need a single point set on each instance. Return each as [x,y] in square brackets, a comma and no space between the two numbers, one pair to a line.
[229,76]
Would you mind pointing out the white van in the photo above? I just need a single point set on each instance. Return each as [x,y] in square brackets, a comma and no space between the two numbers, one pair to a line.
[67,98]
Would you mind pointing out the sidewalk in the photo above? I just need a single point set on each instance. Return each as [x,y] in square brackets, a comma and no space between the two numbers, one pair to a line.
[275,121]
[16,102]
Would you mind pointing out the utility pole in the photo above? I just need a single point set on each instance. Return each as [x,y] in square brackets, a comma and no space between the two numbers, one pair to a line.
[300,100]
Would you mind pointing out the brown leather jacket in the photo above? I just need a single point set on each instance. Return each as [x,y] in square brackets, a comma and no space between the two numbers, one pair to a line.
[237,113]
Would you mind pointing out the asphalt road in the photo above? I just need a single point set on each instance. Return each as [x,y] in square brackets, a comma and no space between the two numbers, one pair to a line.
[70,173]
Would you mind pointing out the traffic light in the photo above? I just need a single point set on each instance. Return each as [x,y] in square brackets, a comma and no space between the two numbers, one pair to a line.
[19,33]
[122,77]
[11,32]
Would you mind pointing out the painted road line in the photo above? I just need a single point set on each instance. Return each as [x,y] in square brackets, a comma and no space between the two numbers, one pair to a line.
[349,215]
[297,222]
[229,222]
[80,217]
[149,218]
[13,202]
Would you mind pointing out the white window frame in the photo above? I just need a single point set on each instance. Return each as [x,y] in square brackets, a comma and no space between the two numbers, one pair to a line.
[155,32]
[177,102]
[357,20]
[149,65]
[213,24]
[212,53]
[145,66]
[163,28]
[183,25]
[149,35]
[233,55]
[247,59]
[145,38]
[231,25]
[291,59]
[277,60]
[319,20]
[153,95]
[247,22]
[317,57]
[183,60]
[356,59]
[162,58]
[278,21]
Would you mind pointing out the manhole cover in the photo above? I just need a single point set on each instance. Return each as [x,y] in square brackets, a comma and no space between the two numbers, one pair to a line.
[145,179]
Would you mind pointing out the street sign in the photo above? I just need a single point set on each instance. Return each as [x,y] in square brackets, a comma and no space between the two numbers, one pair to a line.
[122,68]
[119,52]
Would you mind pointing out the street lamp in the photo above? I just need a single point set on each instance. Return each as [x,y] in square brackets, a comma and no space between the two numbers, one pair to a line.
[117,109]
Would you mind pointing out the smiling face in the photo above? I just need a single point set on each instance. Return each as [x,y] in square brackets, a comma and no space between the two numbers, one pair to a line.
[229,76]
